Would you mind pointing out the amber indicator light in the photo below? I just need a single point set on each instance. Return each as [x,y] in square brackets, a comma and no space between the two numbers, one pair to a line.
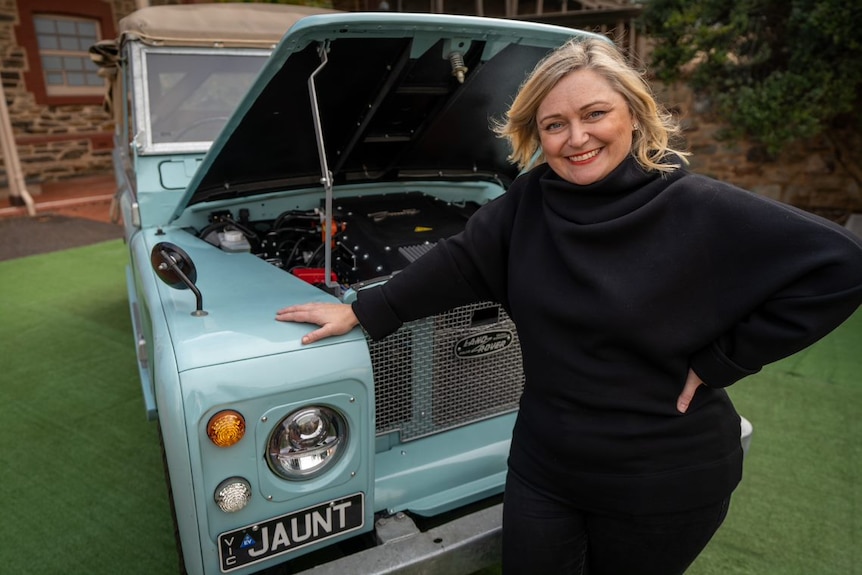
[226,428]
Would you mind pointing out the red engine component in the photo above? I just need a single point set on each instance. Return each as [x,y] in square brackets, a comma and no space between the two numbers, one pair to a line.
[313,276]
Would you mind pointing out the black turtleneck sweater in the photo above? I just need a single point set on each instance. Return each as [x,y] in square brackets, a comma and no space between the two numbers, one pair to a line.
[617,288]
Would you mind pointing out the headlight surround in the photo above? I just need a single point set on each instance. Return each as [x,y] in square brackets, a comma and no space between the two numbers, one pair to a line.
[306,442]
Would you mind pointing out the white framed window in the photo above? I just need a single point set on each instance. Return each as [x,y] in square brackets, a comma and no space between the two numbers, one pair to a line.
[64,44]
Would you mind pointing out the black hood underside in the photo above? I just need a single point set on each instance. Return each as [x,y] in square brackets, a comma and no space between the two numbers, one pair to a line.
[385,116]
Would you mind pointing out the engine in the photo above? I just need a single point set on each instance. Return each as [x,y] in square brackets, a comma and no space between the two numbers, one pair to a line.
[372,236]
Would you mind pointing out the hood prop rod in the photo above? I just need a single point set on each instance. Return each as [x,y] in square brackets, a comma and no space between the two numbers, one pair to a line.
[326,175]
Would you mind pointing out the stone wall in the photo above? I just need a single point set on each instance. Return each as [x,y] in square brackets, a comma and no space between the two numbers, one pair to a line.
[53,142]
[822,175]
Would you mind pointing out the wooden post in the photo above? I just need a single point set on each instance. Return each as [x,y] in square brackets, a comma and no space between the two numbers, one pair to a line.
[17,188]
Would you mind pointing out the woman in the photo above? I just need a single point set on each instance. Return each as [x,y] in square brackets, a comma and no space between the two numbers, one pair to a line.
[656,288]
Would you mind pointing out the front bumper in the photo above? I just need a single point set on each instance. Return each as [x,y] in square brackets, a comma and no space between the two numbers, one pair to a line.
[464,545]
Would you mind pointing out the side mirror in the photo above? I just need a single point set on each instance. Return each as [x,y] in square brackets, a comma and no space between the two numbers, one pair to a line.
[176,268]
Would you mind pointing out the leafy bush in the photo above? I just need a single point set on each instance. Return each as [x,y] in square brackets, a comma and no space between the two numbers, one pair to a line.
[776,71]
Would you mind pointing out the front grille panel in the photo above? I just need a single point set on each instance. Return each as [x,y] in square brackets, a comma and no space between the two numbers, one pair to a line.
[446,371]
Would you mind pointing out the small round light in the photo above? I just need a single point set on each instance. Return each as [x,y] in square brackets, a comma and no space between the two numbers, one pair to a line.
[306,442]
[232,494]
[226,428]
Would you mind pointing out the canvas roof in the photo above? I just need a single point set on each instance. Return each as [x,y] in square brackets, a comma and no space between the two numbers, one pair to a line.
[251,25]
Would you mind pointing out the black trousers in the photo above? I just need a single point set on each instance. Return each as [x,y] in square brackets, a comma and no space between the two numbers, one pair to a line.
[544,535]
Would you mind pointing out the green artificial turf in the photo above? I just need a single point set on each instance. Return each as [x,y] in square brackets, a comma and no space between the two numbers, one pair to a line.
[798,510]
[80,467]
[81,475]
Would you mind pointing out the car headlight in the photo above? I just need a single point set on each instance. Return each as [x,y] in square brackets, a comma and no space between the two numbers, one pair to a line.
[306,442]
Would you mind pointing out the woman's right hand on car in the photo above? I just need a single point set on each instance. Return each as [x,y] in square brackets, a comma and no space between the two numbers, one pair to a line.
[333,318]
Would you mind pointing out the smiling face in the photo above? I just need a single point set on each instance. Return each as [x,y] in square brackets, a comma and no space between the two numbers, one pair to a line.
[585,127]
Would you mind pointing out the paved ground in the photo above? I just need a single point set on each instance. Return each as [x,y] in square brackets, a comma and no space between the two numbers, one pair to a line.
[24,236]
[68,214]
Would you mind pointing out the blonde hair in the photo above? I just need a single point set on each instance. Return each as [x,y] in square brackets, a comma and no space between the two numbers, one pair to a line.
[655,125]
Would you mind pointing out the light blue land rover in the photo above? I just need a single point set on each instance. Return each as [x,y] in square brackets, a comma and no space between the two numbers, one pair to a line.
[255,172]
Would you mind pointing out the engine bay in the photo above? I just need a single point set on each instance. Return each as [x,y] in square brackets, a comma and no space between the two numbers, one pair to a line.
[372,236]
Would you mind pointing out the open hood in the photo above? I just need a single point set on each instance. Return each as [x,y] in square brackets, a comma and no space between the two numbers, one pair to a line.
[393,97]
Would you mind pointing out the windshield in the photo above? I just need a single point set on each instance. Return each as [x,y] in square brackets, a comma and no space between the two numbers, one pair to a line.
[190,96]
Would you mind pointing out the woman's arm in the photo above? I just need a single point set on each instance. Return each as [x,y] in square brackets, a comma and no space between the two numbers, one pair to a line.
[792,278]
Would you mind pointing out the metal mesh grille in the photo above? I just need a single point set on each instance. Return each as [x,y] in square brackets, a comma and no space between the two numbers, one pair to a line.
[446,371]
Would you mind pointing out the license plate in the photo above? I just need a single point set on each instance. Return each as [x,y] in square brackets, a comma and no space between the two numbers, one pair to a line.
[290,532]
